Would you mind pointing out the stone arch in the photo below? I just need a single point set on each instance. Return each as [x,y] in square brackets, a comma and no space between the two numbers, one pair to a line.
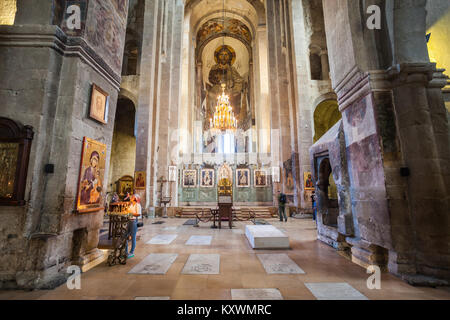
[257,5]
[219,35]
[127,94]
[326,115]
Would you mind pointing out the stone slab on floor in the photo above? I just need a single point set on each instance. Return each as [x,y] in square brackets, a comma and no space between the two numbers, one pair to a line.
[279,264]
[155,263]
[202,264]
[199,241]
[170,228]
[266,237]
[256,294]
[334,291]
[163,239]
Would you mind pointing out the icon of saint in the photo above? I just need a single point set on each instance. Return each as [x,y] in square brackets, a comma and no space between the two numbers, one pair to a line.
[91,184]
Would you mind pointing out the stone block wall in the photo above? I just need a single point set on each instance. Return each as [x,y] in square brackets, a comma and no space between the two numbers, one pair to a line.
[45,83]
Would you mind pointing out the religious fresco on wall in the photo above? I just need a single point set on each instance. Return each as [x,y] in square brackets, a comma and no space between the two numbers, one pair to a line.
[214,26]
[121,7]
[63,16]
[106,30]
[237,88]
[289,181]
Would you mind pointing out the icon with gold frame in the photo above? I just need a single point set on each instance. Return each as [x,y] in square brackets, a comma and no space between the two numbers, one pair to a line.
[92,172]
[139,180]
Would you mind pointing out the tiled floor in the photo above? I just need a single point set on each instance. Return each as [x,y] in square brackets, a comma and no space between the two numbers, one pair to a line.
[239,268]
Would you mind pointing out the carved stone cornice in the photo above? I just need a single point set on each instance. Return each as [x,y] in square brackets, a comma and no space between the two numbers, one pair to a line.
[411,73]
[358,84]
[53,37]
[440,80]
[353,87]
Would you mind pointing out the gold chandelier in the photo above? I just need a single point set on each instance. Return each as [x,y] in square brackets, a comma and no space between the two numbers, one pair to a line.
[224,119]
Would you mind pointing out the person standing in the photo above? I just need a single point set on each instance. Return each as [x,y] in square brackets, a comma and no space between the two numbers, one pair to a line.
[282,206]
[136,210]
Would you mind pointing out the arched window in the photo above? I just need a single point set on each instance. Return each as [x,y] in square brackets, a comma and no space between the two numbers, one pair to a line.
[15,145]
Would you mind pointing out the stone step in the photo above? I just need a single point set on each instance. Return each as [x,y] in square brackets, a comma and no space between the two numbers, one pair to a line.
[260,213]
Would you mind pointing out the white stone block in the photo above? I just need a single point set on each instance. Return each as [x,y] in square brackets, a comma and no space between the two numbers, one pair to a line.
[266,237]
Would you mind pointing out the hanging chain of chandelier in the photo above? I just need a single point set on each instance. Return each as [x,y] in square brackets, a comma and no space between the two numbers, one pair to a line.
[224,119]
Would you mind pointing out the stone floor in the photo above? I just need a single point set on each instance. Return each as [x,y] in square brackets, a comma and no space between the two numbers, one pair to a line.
[239,268]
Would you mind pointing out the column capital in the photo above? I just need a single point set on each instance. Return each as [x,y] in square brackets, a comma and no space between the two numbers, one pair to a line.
[440,80]
[409,73]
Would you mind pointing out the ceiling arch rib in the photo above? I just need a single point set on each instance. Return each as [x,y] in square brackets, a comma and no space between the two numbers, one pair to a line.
[216,28]
[252,10]
[218,14]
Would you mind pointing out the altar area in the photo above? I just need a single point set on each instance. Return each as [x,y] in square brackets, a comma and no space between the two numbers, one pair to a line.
[252,184]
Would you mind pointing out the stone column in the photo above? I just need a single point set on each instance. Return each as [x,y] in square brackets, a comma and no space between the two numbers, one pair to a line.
[168,97]
[427,192]
[283,121]
[145,110]
[421,118]
[325,67]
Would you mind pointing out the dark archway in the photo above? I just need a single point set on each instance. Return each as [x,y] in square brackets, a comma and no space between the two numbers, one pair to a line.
[123,149]
[327,199]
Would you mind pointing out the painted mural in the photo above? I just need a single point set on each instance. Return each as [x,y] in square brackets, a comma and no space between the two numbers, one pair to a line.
[106,28]
[215,26]
[238,90]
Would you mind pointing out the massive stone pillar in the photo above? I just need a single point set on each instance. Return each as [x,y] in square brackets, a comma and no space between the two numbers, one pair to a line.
[284,146]
[393,124]
[146,103]
[308,32]
[159,98]
[47,73]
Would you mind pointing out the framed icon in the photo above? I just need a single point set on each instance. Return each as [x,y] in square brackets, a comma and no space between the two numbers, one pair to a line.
[242,178]
[189,178]
[139,180]
[260,178]
[99,104]
[309,183]
[91,176]
[207,178]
